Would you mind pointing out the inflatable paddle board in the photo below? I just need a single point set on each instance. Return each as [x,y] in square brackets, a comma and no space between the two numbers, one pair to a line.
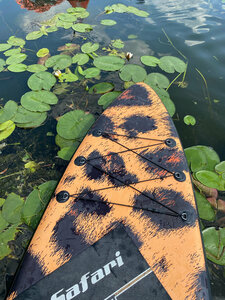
[122,223]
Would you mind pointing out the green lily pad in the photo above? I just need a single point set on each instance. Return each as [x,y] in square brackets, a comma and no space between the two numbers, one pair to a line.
[16,58]
[35,68]
[74,124]
[34,35]
[151,61]
[165,98]
[67,18]
[6,129]
[91,72]
[137,12]
[17,68]
[106,99]
[211,156]
[70,77]
[51,29]
[42,52]
[101,88]
[67,152]
[3,222]
[214,242]
[81,27]
[2,201]
[35,122]
[4,47]
[12,208]
[14,41]
[41,80]
[89,47]
[63,143]
[76,10]
[220,167]
[6,236]
[132,36]
[157,79]
[189,120]
[63,24]
[108,22]
[205,210]
[80,59]
[132,73]
[170,64]
[2,64]
[109,63]
[210,179]
[38,101]
[119,8]
[58,62]
[118,43]
[127,84]
[8,112]
[12,52]
[25,116]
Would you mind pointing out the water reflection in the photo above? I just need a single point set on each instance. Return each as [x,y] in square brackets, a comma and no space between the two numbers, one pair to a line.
[44,5]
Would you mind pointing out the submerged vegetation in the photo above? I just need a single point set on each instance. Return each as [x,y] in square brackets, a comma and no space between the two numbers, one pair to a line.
[82,66]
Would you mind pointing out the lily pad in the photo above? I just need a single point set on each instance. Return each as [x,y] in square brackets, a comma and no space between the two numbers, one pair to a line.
[189,120]
[81,27]
[101,88]
[25,116]
[2,64]
[34,35]
[17,68]
[12,208]
[170,64]
[35,68]
[68,77]
[63,143]
[80,59]
[16,58]
[3,222]
[74,124]
[35,122]
[118,43]
[109,63]
[67,152]
[220,168]
[8,112]
[119,8]
[6,129]
[108,22]
[41,80]
[4,47]
[132,36]
[67,18]
[137,12]
[6,236]
[76,10]
[58,62]
[151,61]
[205,210]
[214,242]
[89,47]
[134,73]
[63,24]
[38,101]
[210,179]
[157,79]
[42,52]
[106,99]
[91,72]
[12,52]
[14,41]
[51,29]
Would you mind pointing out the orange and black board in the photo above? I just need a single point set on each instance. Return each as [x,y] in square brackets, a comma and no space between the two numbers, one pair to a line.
[122,223]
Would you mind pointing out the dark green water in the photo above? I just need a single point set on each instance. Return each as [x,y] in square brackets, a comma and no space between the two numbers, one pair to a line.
[196,29]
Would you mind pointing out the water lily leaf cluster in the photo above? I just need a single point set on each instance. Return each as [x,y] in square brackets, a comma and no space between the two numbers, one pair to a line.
[121,8]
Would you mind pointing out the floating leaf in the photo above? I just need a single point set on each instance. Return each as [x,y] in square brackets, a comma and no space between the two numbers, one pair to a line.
[132,72]
[101,88]
[80,59]
[165,98]
[69,47]
[91,72]
[6,236]
[132,36]
[41,80]
[151,61]
[70,77]
[34,35]
[220,168]
[51,29]
[108,22]
[3,222]
[67,18]
[12,52]
[127,84]
[118,43]
[16,58]
[42,52]
[25,116]
[137,12]
[6,129]
[14,41]
[65,25]
[109,63]
[2,201]
[106,99]
[8,112]
[157,79]
[76,10]
[89,47]
[205,210]
[4,47]
[38,101]
[189,120]
[74,124]
[214,242]
[58,62]
[17,68]
[67,152]
[36,68]
[60,88]
[170,64]
[80,27]
[32,166]
[210,179]
[2,64]
[119,8]
[12,208]
[35,122]
[63,143]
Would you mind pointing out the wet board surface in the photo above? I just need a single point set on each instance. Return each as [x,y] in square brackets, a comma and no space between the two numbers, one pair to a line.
[128,175]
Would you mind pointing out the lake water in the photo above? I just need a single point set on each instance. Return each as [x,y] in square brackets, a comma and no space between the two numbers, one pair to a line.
[196,30]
